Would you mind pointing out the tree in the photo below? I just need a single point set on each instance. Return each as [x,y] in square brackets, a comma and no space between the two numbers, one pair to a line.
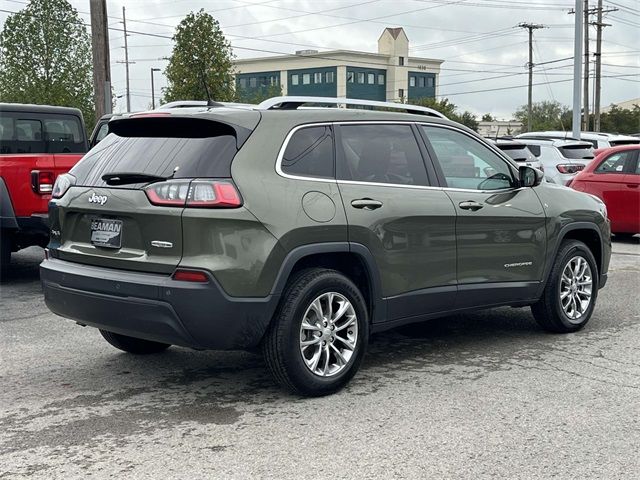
[202,59]
[621,120]
[545,115]
[487,117]
[449,110]
[45,58]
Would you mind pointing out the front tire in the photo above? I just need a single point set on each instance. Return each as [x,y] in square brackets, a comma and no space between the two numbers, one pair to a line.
[319,334]
[134,345]
[569,297]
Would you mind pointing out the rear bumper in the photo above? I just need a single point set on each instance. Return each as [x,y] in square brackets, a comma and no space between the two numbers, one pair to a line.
[155,307]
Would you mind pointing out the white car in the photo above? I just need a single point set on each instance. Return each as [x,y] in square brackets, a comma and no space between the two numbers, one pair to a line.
[597,139]
[562,159]
[519,152]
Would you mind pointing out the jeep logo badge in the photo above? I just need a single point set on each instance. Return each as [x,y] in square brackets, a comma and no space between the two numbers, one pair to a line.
[101,199]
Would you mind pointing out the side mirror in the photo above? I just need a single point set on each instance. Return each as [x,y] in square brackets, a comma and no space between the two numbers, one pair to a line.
[530,177]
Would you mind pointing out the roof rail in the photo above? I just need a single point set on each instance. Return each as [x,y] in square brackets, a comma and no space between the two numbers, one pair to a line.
[292,103]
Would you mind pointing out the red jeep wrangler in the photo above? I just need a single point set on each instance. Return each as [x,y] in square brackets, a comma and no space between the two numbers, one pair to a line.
[37,143]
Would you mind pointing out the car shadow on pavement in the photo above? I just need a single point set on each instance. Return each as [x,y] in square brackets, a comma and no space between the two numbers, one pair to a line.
[24,266]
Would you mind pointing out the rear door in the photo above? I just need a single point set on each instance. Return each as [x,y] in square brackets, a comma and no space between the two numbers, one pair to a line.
[500,229]
[118,226]
[394,210]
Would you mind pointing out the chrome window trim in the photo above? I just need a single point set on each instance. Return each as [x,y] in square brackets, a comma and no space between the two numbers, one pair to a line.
[279,171]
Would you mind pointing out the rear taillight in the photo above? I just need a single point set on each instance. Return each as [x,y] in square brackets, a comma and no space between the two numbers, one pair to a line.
[194,193]
[63,183]
[190,276]
[569,168]
[42,181]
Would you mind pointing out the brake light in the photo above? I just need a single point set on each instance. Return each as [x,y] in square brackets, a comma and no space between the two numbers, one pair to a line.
[190,276]
[42,181]
[570,168]
[194,193]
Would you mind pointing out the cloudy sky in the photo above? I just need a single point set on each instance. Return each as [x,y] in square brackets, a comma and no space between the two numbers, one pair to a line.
[484,51]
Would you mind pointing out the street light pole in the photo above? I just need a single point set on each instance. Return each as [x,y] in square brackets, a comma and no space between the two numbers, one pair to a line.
[577,69]
[153,94]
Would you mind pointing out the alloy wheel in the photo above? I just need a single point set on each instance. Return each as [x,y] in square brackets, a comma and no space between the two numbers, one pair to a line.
[576,286]
[328,334]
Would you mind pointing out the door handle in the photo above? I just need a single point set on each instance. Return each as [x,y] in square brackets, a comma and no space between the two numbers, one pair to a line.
[366,203]
[632,185]
[470,205]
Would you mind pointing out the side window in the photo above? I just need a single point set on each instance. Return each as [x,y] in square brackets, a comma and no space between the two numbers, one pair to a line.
[309,153]
[102,132]
[467,163]
[613,163]
[380,154]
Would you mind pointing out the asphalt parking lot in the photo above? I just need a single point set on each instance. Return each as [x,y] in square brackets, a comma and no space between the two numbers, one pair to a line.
[474,396]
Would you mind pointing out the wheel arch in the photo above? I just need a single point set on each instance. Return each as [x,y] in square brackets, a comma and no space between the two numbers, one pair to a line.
[586,232]
[353,260]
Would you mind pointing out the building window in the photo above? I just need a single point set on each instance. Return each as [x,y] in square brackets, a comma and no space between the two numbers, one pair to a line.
[253,82]
[401,61]
[329,77]
[349,77]
[430,82]
[243,83]
[273,80]
[295,80]
[306,78]
[263,81]
[412,81]
[317,77]
[371,78]
[421,82]
[401,93]
[360,77]
[380,79]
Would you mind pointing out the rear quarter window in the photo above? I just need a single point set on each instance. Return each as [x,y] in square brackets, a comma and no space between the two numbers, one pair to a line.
[309,153]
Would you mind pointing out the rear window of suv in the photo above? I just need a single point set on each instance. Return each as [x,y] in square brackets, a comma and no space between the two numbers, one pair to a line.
[181,148]
[576,152]
[23,132]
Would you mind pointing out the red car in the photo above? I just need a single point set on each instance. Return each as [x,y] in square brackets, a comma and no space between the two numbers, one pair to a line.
[37,143]
[614,177]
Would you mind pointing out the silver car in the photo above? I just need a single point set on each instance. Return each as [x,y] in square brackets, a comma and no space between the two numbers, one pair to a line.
[562,159]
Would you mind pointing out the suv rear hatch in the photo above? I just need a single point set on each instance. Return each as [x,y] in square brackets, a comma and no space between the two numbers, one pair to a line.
[124,207]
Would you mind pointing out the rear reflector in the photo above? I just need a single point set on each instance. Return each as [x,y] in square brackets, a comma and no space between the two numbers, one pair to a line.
[42,181]
[190,276]
[194,193]
[569,168]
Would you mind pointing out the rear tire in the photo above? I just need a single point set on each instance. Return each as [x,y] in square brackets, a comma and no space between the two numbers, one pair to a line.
[319,334]
[134,345]
[563,307]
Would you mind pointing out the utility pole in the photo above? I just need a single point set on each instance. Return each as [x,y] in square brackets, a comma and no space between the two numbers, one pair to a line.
[126,58]
[153,94]
[101,63]
[531,27]
[577,67]
[599,26]
[585,82]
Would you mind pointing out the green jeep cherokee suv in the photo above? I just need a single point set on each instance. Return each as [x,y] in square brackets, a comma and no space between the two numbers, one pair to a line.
[302,231]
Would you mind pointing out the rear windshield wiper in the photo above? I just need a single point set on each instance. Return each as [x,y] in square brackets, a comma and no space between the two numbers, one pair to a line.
[127,178]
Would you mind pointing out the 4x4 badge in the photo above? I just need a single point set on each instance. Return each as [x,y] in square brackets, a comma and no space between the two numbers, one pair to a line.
[101,199]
